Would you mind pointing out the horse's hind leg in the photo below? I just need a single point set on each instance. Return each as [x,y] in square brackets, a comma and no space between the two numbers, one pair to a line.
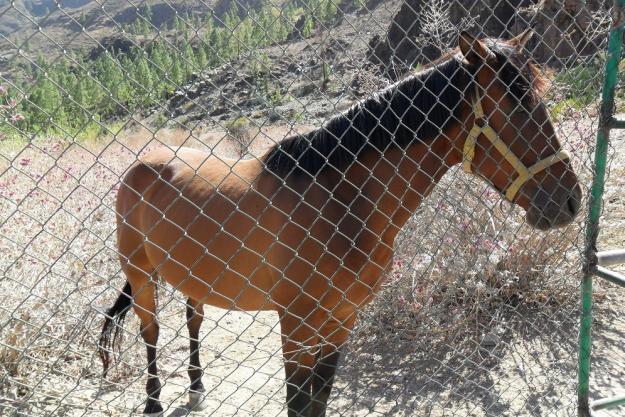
[195,315]
[144,291]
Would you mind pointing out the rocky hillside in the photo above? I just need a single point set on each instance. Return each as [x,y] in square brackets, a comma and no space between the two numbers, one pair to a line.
[20,20]
[566,31]
[303,80]
[256,60]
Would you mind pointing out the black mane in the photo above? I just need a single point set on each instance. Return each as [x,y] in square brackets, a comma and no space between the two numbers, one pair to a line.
[419,108]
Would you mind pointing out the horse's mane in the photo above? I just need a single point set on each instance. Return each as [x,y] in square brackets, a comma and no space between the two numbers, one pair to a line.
[425,102]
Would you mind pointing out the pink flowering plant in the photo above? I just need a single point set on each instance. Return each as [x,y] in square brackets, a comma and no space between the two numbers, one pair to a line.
[8,110]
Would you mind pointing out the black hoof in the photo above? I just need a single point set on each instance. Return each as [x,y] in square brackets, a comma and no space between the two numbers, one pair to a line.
[153,409]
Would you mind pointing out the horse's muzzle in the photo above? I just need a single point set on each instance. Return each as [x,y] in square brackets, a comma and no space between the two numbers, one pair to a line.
[554,209]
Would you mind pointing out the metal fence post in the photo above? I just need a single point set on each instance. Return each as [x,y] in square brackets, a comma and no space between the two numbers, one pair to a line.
[606,122]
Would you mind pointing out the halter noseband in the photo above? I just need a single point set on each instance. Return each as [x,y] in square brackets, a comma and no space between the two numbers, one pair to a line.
[481,126]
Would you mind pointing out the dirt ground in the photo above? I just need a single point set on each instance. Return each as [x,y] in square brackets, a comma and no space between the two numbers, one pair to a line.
[61,263]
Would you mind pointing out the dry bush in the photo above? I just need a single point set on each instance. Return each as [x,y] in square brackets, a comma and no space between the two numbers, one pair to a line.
[459,265]
[57,241]
[239,131]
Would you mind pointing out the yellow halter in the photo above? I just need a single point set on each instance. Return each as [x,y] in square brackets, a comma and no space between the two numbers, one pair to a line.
[525,173]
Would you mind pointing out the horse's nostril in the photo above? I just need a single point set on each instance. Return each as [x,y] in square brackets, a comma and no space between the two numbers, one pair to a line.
[573,205]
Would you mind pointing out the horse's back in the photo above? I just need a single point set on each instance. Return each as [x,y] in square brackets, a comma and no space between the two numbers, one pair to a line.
[167,174]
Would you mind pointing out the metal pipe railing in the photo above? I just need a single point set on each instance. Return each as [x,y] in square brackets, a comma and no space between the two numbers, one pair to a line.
[611,257]
[609,275]
[608,403]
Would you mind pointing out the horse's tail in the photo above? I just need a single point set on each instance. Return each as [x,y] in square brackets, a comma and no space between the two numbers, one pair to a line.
[110,337]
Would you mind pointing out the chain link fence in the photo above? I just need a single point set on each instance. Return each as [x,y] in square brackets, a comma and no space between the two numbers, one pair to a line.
[296,167]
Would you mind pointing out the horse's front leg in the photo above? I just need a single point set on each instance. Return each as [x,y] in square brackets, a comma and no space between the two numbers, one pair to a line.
[332,338]
[323,378]
[298,344]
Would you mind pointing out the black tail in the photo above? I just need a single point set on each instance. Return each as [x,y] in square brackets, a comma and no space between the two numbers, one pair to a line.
[112,325]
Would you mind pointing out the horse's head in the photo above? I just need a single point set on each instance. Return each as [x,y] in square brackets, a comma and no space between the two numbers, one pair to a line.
[512,143]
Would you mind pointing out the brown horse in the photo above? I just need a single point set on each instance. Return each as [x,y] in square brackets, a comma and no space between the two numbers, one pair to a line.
[308,230]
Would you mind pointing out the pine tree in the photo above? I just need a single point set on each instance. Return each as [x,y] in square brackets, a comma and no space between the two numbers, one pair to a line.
[177,73]
[126,92]
[283,24]
[178,25]
[147,12]
[42,104]
[200,58]
[214,48]
[144,28]
[188,58]
[143,76]
[111,78]
[329,11]
[308,26]
[232,18]
[162,62]
[83,101]
[243,34]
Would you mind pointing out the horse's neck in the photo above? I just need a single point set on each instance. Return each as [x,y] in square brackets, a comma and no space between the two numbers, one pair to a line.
[381,189]
[385,190]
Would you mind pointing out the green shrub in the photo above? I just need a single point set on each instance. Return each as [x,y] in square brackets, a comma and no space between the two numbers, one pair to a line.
[581,84]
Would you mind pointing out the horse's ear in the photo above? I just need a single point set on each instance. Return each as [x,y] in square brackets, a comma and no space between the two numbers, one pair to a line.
[473,49]
[520,40]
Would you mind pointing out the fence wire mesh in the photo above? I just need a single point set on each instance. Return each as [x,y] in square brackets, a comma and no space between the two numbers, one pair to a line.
[296,168]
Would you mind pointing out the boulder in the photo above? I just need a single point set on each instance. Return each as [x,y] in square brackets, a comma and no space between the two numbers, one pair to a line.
[562,28]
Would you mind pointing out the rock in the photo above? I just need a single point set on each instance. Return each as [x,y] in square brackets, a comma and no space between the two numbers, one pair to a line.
[273,115]
[561,31]
[561,26]
[253,102]
[489,340]
[115,44]
[302,90]
[408,40]
[219,111]
[296,33]
[177,98]
[294,68]
[194,92]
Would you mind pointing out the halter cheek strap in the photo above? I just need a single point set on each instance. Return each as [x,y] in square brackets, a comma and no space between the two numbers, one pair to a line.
[482,127]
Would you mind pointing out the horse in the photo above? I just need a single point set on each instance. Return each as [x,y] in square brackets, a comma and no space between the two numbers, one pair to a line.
[307,230]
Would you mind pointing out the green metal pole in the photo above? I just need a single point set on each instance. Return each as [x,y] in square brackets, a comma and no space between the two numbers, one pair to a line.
[596,193]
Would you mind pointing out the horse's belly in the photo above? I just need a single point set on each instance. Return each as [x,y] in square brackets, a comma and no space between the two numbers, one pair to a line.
[222,272]
[218,287]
